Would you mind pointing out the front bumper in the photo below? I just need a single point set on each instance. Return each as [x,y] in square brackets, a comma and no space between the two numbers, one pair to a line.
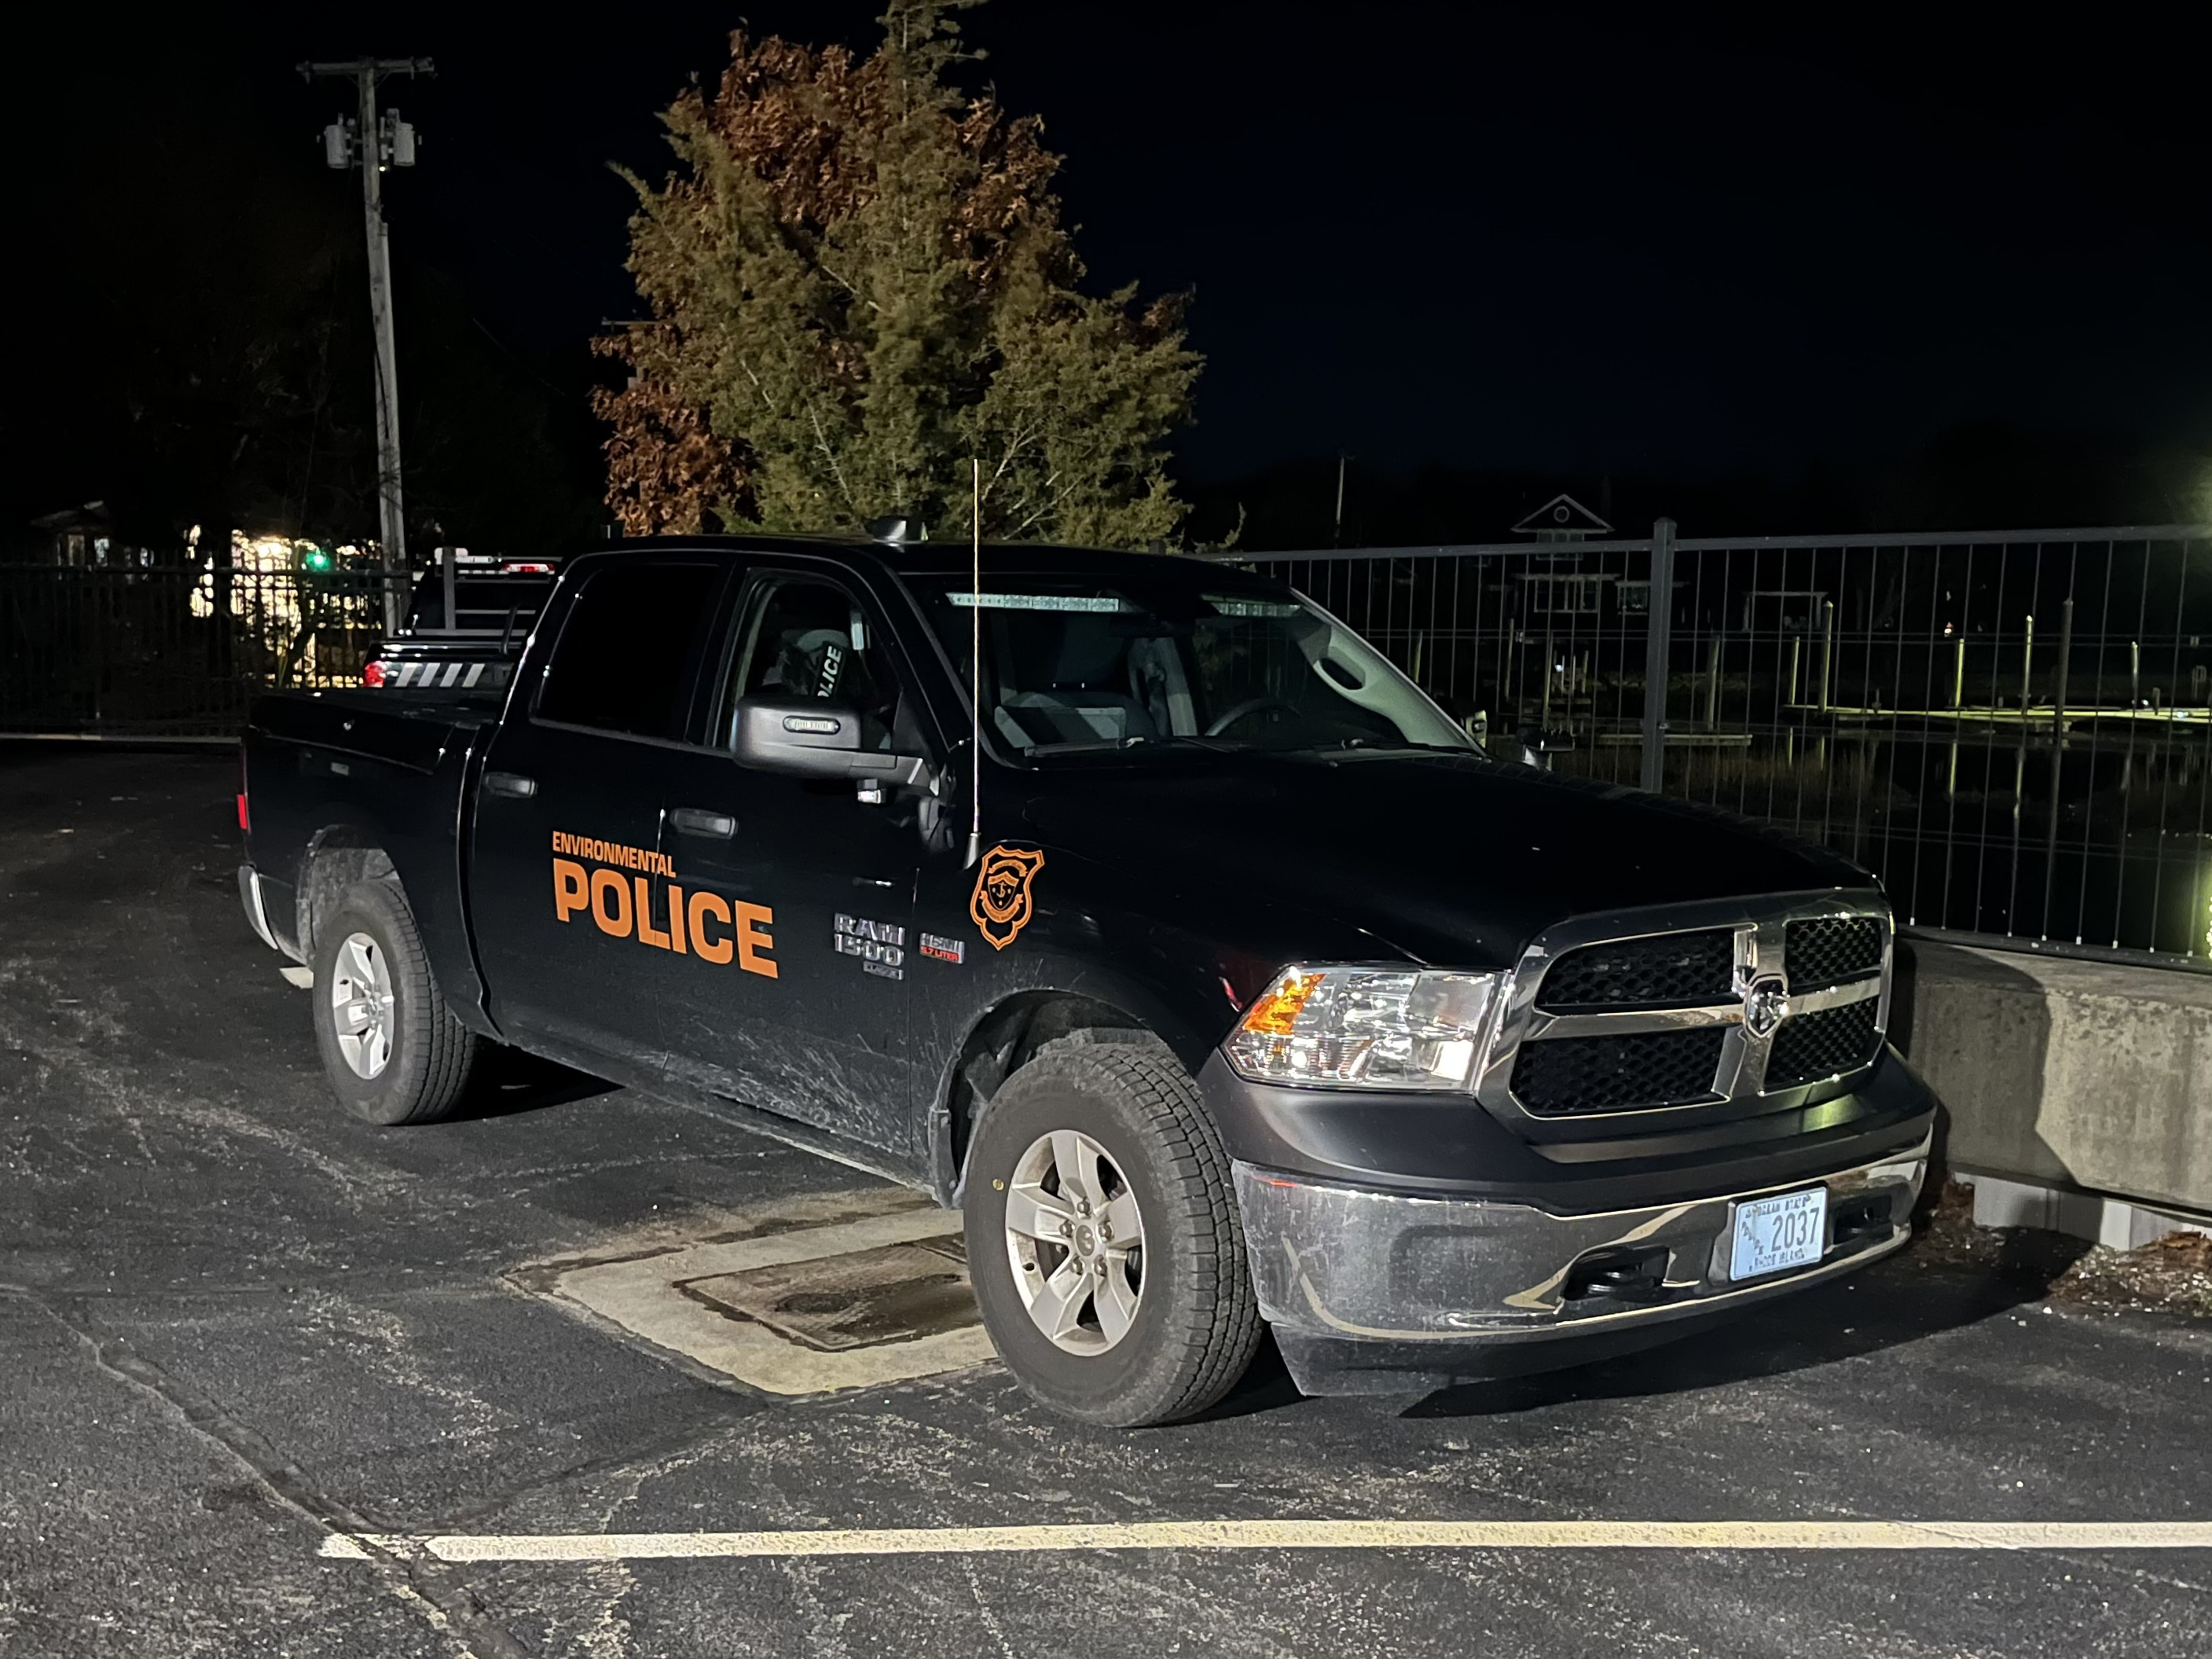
[1374,1291]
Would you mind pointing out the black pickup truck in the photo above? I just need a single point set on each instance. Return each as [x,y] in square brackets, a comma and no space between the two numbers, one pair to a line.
[1136,907]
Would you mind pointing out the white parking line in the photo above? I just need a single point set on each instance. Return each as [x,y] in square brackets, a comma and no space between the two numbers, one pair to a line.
[1297,1536]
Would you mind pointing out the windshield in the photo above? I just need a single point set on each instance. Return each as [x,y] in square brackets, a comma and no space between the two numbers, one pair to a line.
[1073,664]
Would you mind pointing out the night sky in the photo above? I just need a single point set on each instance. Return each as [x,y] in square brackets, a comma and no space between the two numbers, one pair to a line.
[1565,241]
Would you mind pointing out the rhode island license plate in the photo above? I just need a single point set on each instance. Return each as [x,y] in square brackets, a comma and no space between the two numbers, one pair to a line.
[1787,1231]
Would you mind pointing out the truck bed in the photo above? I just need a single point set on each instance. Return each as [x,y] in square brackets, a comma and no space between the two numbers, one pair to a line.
[330,776]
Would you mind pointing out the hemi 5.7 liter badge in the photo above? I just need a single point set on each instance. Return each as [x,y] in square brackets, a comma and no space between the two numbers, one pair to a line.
[944,949]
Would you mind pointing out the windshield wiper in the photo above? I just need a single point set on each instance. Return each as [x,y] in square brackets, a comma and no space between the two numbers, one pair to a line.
[1086,745]
[1101,745]
[1376,746]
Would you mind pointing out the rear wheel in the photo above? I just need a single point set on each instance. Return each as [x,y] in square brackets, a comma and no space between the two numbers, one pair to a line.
[1102,1237]
[394,1051]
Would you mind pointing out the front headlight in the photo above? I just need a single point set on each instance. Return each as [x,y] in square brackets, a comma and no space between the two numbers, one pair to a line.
[1367,1028]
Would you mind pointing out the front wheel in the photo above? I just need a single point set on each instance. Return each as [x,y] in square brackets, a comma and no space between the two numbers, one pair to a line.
[1104,1240]
[391,1049]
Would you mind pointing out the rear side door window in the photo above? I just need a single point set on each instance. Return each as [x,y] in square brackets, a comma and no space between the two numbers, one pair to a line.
[627,656]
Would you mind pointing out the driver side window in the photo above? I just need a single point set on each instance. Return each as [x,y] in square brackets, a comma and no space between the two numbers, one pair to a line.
[807,640]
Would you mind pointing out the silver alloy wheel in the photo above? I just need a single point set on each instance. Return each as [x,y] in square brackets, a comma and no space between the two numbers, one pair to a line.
[1076,1240]
[360,1004]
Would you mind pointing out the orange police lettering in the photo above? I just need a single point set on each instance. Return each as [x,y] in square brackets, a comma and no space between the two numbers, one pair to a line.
[622,907]
[647,932]
[707,906]
[570,887]
[615,924]
[754,940]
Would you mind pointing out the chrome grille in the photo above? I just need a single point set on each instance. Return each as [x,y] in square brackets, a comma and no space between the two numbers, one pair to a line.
[1657,970]
[1829,950]
[1828,1043]
[1697,1005]
[1607,1074]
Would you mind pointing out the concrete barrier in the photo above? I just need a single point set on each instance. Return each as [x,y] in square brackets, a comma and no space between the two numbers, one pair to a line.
[2080,1091]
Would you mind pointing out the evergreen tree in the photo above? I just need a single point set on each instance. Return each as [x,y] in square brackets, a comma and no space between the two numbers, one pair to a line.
[858,279]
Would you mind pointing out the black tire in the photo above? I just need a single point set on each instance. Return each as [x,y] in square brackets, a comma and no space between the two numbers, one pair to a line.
[1197,1320]
[432,1053]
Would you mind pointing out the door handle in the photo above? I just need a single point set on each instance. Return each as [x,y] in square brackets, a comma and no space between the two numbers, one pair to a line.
[693,821]
[511,784]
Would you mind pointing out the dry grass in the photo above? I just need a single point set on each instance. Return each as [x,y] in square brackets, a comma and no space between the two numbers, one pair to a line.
[2173,1275]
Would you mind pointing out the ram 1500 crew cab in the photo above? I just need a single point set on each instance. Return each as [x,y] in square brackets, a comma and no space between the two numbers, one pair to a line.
[1136,907]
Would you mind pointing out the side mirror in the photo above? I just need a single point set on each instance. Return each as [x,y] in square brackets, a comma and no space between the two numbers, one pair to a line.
[811,739]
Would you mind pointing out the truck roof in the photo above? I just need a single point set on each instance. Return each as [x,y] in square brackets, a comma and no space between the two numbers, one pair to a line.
[931,558]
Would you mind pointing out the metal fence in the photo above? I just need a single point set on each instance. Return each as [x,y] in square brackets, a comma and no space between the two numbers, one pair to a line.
[174,651]
[2013,730]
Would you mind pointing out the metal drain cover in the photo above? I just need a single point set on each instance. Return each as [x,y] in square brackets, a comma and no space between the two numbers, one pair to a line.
[830,1291]
[835,1303]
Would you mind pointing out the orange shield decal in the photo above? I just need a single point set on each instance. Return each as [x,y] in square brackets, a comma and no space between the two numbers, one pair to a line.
[1000,905]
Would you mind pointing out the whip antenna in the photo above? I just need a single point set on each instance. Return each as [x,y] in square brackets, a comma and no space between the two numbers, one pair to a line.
[976,666]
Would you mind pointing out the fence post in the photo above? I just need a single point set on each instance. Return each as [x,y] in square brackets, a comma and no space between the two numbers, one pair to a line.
[1659,616]
[2057,757]
[1827,652]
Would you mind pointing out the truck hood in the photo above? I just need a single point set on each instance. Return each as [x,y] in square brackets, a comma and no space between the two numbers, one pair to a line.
[1451,859]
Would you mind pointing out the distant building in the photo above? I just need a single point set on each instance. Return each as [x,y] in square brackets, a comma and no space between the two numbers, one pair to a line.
[1563,589]
[84,539]
[1563,519]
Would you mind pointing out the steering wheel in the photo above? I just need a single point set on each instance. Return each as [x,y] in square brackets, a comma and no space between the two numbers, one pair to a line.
[1250,706]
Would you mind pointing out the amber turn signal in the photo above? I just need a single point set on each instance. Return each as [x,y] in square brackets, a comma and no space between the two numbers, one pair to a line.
[1276,1012]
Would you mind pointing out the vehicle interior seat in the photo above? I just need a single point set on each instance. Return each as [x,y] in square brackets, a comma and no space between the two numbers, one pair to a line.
[1065,684]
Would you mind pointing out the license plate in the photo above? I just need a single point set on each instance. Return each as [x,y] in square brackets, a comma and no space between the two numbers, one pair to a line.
[1787,1231]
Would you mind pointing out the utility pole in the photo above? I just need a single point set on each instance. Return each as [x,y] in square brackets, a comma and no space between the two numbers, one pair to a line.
[373,145]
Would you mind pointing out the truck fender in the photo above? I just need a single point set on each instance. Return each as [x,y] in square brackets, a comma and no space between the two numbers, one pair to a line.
[1005,1035]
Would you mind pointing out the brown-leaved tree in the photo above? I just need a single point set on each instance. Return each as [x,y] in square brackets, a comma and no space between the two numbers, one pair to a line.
[857,279]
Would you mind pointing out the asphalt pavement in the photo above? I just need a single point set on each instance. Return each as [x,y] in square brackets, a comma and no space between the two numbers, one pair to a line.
[239,1329]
